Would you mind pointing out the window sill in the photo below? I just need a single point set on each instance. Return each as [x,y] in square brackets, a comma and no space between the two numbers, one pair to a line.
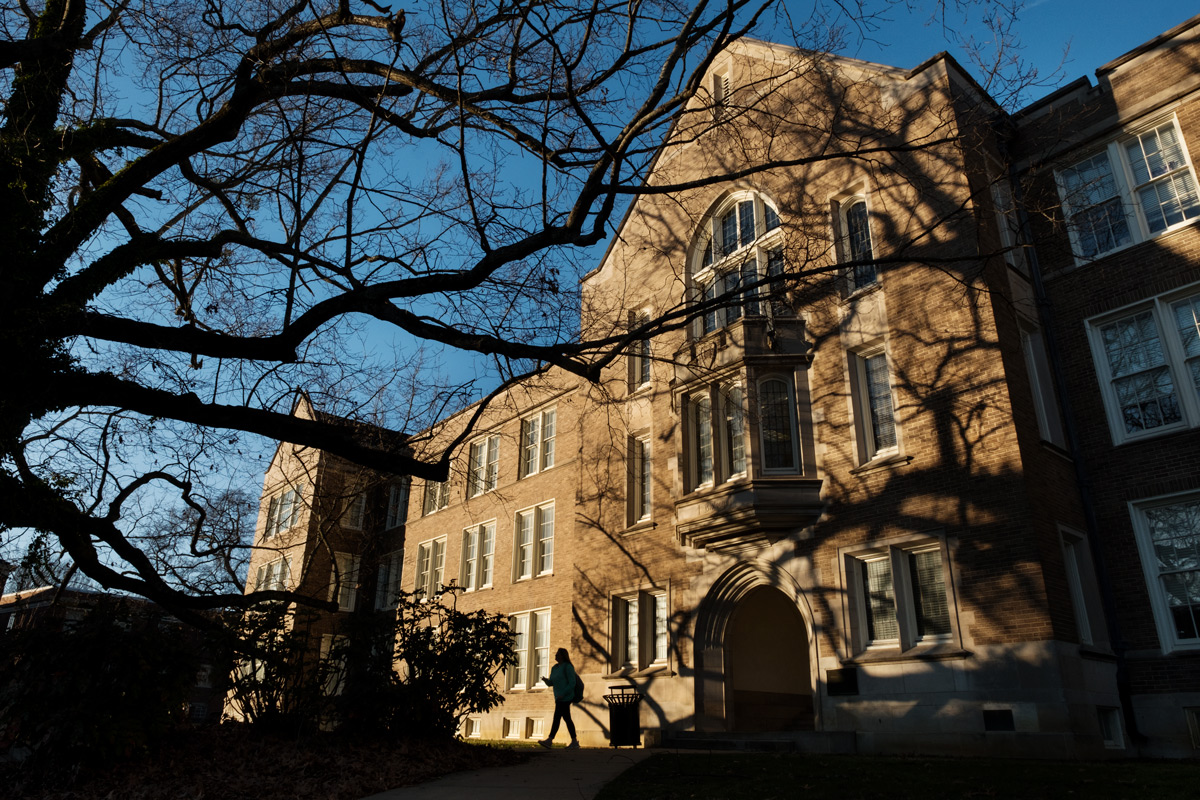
[863,291]
[640,526]
[942,651]
[654,670]
[1094,652]
[884,462]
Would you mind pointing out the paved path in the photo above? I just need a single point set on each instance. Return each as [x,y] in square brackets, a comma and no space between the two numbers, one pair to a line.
[558,774]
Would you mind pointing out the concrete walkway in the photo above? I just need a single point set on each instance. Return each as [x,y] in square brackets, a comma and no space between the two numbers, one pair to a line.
[548,775]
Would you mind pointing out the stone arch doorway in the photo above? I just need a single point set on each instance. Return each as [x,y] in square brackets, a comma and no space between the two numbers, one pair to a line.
[754,654]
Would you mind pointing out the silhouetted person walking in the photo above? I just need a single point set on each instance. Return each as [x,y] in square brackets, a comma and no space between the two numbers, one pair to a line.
[562,679]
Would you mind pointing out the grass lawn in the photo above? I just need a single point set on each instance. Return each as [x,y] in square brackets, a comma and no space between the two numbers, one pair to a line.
[762,776]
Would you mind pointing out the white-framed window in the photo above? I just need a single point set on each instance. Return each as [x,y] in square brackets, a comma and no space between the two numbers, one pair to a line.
[733,430]
[483,466]
[533,545]
[856,248]
[639,353]
[531,646]
[431,564]
[1137,187]
[874,408]
[472,728]
[1008,225]
[1148,363]
[1168,537]
[437,496]
[397,509]
[736,247]
[700,439]
[1081,583]
[343,580]
[1041,383]
[275,575]
[478,556]
[387,580]
[777,425]
[899,596]
[721,91]
[333,664]
[640,479]
[537,442]
[356,512]
[283,510]
[641,629]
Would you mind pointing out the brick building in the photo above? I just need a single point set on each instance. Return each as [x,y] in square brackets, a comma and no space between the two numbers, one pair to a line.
[916,470]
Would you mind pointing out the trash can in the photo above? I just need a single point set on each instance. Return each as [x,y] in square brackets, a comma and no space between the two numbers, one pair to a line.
[623,727]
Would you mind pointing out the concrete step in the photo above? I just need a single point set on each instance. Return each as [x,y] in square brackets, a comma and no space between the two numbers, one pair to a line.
[815,742]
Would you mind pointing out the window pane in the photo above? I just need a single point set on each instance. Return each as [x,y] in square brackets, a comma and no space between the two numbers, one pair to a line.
[880,601]
[929,593]
[487,547]
[470,557]
[1141,379]
[775,420]
[713,316]
[541,646]
[529,445]
[750,292]
[735,431]
[770,218]
[858,241]
[548,422]
[525,544]
[1175,534]
[746,218]
[702,423]
[729,232]
[660,627]
[879,399]
[545,539]
[520,632]
[631,632]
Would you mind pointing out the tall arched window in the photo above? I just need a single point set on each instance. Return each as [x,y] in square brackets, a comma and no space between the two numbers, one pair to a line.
[856,224]
[738,245]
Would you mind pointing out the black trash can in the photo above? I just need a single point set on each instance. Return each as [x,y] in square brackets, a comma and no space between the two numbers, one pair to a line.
[623,727]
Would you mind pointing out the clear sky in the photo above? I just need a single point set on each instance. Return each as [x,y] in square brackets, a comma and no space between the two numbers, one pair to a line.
[1095,31]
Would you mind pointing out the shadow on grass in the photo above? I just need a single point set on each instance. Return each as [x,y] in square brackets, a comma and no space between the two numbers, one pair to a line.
[762,776]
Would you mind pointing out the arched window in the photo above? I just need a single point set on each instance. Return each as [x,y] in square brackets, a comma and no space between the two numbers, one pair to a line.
[777,425]
[737,247]
[856,223]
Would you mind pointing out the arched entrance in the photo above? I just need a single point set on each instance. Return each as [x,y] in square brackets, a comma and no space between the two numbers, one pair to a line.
[766,647]
[754,653]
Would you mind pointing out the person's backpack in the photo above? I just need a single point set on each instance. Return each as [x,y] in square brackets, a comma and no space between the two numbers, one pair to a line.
[578,698]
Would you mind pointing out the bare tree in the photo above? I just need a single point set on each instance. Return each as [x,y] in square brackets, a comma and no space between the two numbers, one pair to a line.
[212,204]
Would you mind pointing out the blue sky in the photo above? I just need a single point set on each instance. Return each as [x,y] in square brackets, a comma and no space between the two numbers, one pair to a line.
[1096,31]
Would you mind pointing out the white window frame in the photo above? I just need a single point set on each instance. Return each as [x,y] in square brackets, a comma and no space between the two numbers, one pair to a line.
[793,428]
[904,596]
[641,629]
[431,564]
[274,575]
[333,660]
[1125,190]
[1152,568]
[701,436]
[533,557]
[483,465]
[845,248]
[1041,383]
[478,561]
[864,411]
[283,511]
[397,510]
[716,271]
[343,580]
[356,512]
[538,435]
[436,497]
[388,579]
[641,475]
[1008,226]
[531,645]
[1175,359]
[1083,587]
[639,353]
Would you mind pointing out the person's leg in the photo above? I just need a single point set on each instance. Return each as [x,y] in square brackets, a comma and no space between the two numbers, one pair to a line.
[554,725]
[566,713]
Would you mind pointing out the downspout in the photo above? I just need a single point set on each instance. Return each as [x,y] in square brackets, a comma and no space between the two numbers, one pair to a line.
[1082,476]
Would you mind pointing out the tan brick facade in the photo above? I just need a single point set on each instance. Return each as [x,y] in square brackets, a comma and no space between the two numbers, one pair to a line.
[848,505]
